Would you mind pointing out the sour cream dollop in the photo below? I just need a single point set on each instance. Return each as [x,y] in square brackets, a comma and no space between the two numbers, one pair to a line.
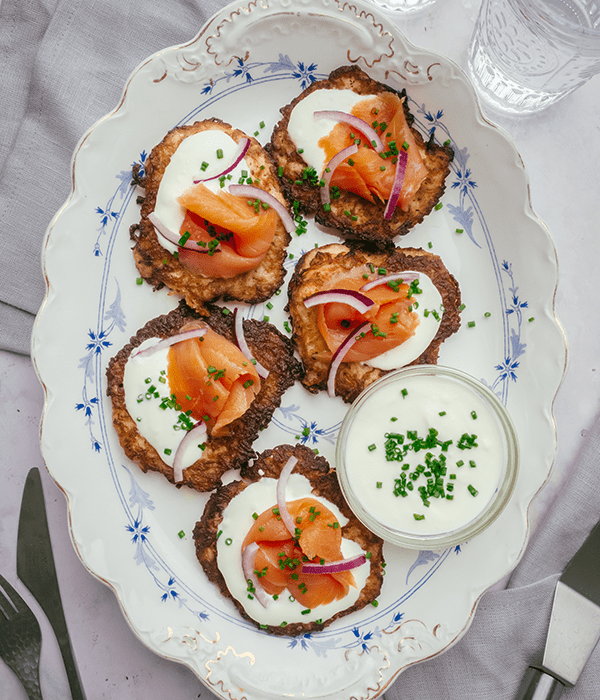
[237,520]
[211,146]
[146,388]
[306,131]
[429,308]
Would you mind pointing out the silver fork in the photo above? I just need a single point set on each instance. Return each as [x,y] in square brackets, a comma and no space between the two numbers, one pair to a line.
[20,639]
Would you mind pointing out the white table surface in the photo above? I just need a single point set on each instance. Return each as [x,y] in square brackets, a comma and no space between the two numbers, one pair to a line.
[560,148]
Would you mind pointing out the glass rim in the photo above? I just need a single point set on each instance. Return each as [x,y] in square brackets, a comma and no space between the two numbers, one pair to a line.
[480,522]
[556,23]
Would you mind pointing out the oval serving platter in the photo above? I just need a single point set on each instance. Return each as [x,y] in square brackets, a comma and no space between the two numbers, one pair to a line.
[248,61]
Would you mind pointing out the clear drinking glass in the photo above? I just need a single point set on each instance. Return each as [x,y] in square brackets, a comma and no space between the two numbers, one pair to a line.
[525,55]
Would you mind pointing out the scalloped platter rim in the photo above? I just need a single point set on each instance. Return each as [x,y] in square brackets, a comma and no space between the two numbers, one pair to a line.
[505,262]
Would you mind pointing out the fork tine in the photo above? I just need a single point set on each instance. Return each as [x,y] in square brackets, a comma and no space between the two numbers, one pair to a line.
[20,639]
[18,603]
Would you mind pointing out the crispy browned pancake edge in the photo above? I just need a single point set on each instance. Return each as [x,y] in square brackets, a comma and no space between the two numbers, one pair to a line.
[370,226]
[160,268]
[316,267]
[270,348]
[324,482]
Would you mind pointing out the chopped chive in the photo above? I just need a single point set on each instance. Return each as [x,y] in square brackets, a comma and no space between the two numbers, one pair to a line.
[182,241]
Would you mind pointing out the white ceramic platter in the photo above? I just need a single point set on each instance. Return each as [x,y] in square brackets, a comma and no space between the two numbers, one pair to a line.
[246,63]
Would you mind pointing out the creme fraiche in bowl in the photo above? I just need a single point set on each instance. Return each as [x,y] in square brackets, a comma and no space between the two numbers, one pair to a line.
[427,457]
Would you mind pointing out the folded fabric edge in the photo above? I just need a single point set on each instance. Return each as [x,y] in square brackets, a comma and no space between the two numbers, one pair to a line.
[16,326]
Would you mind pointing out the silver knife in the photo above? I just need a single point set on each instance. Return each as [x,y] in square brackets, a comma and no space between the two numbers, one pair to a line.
[574,626]
[35,567]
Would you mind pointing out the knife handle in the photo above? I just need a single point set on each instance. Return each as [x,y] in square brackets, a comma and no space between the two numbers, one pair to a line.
[66,651]
[539,685]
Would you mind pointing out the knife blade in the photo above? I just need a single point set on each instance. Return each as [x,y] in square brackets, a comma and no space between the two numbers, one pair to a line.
[574,627]
[36,568]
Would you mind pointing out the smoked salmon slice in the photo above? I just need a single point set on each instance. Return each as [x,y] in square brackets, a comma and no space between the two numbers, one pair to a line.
[392,319]
[278,561]
[210,377]
[366,173]
[243,233]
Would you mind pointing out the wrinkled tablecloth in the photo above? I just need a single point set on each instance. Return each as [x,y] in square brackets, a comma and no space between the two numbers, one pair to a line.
[63,65]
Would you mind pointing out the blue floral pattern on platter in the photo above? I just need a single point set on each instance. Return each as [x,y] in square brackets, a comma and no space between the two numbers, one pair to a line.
[288,419]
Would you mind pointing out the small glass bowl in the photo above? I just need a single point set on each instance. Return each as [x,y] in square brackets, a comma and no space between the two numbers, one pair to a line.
[427,374]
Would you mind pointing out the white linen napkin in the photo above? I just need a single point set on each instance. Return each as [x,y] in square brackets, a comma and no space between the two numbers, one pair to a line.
[509,628]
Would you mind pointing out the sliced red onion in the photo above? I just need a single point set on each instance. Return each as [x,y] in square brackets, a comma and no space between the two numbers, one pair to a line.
[355,299]
[243,345]
[171,340]
[197,433]
[241,151]
[397,186]
[334,567]
[248,567]
[174,238]
[355,122]
[267,198]
[338,355]
[337,159]
[281,502]
[403,276]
